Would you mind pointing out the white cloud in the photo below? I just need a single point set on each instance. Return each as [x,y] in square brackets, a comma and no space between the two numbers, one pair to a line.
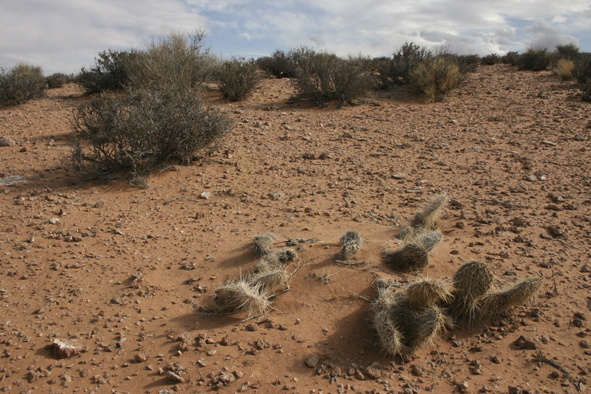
[63,35]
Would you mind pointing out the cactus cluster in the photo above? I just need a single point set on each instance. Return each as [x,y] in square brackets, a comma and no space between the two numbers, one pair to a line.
[253,292]
[417,315]
[420,237]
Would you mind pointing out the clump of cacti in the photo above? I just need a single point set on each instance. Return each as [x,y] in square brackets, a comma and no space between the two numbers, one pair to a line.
[410,319]
[418,314]
[414,255]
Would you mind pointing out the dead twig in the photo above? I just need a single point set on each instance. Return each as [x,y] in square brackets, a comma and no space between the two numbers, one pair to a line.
[505,204]
[541,358]
[349,264]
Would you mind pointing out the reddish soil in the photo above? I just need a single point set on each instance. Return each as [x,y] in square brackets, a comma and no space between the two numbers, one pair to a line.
[507,145]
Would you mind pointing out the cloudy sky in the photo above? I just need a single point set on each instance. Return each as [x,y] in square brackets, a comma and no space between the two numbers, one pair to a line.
[64,35]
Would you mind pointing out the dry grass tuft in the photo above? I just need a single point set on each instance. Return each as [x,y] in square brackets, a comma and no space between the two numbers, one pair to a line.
[471,282]
[388,334]
[431,324]
[565,68]
[270,282]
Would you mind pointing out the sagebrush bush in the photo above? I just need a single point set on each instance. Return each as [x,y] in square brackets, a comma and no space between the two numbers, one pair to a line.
[22,83]
[141,129]
[57,80]
[238,77]
[468,63]
[279,64]
[322,77]
[511,58]
[582,72]
[403,62]
[564,68]
[535,59]
[568,51]
[108,72]
[490,59]
[436,77]
[180,60]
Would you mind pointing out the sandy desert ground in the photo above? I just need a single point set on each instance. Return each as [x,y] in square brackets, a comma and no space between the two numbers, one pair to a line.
[129,273]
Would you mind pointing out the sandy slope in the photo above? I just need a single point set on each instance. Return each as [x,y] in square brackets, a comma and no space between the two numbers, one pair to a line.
[507,136]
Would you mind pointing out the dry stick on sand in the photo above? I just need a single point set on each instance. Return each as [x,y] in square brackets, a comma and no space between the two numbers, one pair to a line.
[541,358]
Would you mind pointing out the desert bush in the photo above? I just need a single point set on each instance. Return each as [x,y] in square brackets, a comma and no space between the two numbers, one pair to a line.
[468,63]
[568,51]
[57,80]
[179,60]
[278,64]
[564,69]
[108,72]
[140,129]
[511,58]
[398,69]
[22,83]
[582,72]
[238,77]
[490,59]
[436,77]
[322,77]
[535,59]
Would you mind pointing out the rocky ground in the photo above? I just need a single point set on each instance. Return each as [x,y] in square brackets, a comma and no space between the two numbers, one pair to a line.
[124,276]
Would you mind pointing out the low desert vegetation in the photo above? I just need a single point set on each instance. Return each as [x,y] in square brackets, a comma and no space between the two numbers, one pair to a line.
[568,52]
[536,59]
[238,77]
[582,72]
[490,59]
[322,77]
[108,72]
[141,129]
[437,77]
[22,83]
[57,80]
[511,58]
[564,69]
[180,60]
[397,70]
[279,65]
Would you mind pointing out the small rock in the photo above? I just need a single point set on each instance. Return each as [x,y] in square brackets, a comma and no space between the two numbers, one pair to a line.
[66,348]
[525,343]
[373,372]
[462,386]
[6,142]
[585,344]
[312,360]
[531,178]
[205,195]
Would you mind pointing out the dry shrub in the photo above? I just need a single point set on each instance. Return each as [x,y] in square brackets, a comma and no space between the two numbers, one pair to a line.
[57,80]
[108,73]
[565,68]
[177,60]
[568,51]
[238,77]
[399,68]
[141,129]
[535,59]
[511,58]
[322,77]
[22,83]
[582,72]
[279,64]
[436,77]
[490,59]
